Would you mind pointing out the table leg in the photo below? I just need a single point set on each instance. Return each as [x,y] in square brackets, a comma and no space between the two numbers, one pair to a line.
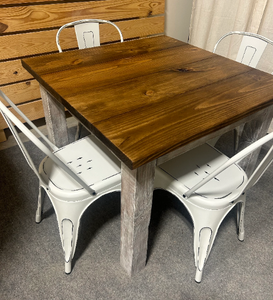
[55,119]
[136,203]
[253,131]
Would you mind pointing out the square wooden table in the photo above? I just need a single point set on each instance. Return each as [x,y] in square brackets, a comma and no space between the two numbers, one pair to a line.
[149,100]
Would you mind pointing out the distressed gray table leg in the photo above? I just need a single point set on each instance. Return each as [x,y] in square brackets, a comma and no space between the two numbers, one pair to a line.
[136,203]
[253,131]
[55,119]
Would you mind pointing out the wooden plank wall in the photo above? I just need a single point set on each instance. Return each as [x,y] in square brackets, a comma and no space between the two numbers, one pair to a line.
[29,27]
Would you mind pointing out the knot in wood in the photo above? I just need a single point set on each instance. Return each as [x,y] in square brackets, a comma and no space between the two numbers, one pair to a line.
[3,27]
[77,62]
[184,70]
[149,93]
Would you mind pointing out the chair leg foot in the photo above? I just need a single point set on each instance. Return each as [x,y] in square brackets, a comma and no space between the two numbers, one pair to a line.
[38,218]
[241,236]
[67,267]
[198,275]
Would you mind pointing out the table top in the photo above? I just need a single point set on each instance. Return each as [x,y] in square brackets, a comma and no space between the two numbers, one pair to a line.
[148,97]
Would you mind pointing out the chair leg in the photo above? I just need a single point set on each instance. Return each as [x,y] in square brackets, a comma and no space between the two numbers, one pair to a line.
[68,217]
[39,211]
[78,132]
[236,139]
[202,251]
[68,242]
[237,135]
[206,224]
[68,267]
[241,219]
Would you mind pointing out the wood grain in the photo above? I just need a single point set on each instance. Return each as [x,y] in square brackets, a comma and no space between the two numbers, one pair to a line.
[55,119]
[145,104]
[12,71]
[259,115]
[13,2]
[33,17]
[146,99]
[34,43]
[94,58]
[136,205]
[28,28]
[23,91]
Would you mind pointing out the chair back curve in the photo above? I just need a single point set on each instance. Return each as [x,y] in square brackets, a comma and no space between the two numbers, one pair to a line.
[87,32]
[251,48]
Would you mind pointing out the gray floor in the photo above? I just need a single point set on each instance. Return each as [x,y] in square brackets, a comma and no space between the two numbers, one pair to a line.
[32,264]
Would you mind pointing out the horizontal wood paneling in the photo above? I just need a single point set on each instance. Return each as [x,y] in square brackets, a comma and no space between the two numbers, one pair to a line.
[13,2]
[29,27]
[33,110]
[12,71]
[44,41]
[23,91]
[33,17]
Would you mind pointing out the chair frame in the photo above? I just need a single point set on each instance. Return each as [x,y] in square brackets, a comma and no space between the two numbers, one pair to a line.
[8,116]
[69,205]
[207,215]
[255,176]
[100,21]
[255,35]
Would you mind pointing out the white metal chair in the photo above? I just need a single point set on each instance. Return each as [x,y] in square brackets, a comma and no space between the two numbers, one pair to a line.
[88,35]
[250,52]
[210,184]
[66,175]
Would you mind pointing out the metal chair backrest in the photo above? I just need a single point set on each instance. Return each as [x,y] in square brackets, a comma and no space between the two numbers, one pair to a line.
[251,48]
[258,172]
[87,32]
[48,150]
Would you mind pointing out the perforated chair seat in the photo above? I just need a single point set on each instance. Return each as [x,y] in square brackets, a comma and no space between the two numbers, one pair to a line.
[73,176]
[197,164]
[90,160]
[210,184]
[96,166]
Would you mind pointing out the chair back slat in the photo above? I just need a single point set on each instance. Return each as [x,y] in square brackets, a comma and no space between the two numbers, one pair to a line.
[88,35]
[87,32]
[252,47]
[251,51]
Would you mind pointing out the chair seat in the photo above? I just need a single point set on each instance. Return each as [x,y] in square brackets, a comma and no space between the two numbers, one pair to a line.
[190,168]
[209,184]
[88,158]
[65,176]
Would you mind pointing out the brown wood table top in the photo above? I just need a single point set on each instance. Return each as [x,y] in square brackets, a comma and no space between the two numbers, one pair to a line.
[148,97]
